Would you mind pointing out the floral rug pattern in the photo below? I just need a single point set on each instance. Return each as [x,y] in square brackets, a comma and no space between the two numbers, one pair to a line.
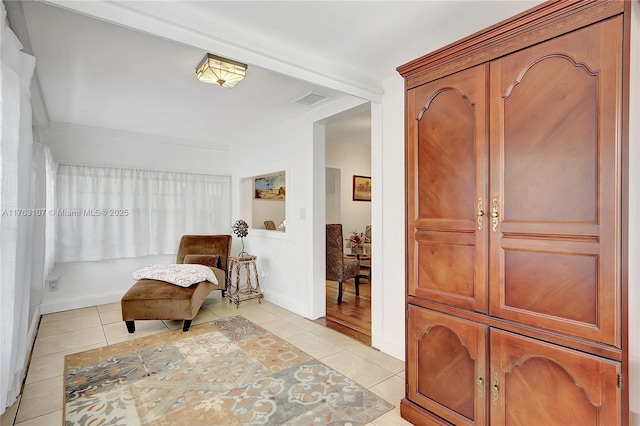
[227,372]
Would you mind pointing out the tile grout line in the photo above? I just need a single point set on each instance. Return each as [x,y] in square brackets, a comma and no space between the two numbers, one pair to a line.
[383,380]
[211,309]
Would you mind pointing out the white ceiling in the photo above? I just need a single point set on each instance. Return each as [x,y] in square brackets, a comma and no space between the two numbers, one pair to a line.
[95,70]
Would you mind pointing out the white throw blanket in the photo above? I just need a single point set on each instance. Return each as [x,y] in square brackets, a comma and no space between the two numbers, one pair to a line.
[178,274]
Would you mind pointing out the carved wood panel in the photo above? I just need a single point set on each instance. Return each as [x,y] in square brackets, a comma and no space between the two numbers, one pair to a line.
[447,180]
[554,169]
[446,362]
[538,383]
[517,175]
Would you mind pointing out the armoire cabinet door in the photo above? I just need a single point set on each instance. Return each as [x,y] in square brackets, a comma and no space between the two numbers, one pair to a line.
[536,383]
[555,176]
[446,364]
[446,185]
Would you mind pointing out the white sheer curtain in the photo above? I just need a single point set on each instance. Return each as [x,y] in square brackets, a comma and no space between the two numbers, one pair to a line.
[107,213]
[51,173]
[16,140]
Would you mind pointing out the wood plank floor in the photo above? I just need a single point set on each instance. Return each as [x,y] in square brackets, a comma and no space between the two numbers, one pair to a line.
[353,316]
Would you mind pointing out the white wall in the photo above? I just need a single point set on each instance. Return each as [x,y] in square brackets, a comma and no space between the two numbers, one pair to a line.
[83,284]
[39,227]
[74,144]
[387,162]
[333,180]
[267,210]
[293,262]
[351,159]
[294,265]
[288,258]
[256,211]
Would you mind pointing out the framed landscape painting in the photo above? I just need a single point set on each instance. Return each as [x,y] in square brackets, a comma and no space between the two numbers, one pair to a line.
[361,188]
[270,187]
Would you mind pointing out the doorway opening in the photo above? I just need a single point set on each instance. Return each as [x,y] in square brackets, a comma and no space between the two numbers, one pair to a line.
[348,155]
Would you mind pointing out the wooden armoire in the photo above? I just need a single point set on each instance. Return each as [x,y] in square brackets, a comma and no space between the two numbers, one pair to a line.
[516,183]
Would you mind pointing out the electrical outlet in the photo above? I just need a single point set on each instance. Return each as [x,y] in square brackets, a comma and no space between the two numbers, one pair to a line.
[53,285]
[263,274]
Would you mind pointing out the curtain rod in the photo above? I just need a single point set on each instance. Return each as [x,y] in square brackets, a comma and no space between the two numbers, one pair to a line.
[142,170]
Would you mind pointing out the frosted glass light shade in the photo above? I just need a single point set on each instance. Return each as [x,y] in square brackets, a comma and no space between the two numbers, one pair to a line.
[223,72]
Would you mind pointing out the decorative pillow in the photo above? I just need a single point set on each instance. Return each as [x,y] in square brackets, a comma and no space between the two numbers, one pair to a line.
[210,260]
[178,274]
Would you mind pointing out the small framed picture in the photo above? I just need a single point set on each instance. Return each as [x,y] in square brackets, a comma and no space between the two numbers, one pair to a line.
[270,187]
[361,188]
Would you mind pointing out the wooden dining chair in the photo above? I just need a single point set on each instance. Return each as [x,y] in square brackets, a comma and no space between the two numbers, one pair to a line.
[339,267]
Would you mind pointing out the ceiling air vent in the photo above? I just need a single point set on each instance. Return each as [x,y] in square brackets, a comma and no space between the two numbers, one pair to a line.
[310,99]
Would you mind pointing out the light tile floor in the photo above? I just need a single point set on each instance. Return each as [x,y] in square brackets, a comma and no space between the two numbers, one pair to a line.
[82,329]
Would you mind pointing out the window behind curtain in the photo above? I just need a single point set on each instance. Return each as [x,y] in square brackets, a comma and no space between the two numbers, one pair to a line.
[107,213]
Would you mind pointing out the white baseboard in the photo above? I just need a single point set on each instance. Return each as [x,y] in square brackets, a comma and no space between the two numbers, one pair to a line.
[33,329]
[31,339]
[634,418]
[112,297]
[80,302]
[285,302]
[390,347]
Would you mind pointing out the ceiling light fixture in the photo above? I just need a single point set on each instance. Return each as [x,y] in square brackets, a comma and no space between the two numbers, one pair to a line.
[223,72]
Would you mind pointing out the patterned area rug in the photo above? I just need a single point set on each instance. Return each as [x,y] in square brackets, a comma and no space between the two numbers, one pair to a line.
[227,372]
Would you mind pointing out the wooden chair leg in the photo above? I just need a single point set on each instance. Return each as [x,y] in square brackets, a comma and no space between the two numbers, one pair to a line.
[357,286]
[186,325]
[339,292]
[131,326]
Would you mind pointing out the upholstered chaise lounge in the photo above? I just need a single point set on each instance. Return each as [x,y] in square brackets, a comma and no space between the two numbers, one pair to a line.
[158,300]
